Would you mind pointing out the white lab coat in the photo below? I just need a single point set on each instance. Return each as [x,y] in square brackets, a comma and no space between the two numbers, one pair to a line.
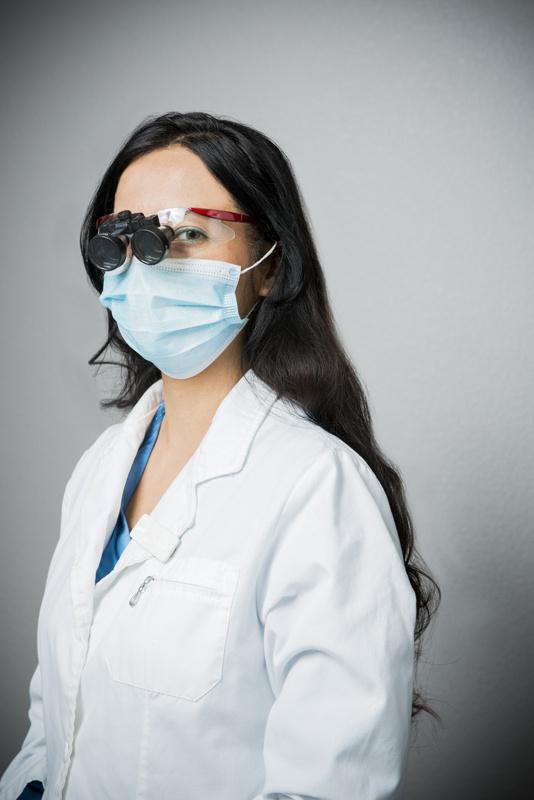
[272,654]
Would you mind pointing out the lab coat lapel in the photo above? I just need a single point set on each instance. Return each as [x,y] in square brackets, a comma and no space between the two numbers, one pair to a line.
[223,450]
[102,503]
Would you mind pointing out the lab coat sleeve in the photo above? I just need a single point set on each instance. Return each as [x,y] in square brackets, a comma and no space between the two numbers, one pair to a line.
[338,614]
[31,764]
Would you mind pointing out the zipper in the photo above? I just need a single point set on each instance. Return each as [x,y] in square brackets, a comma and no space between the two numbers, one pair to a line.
[137,596]
[135,599]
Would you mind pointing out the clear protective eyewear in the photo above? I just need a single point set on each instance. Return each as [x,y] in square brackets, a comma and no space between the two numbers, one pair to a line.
[174,232]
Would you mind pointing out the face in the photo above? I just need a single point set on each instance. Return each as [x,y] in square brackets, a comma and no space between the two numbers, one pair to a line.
[177,178]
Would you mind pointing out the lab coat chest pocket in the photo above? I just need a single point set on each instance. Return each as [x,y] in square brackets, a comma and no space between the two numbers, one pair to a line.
[172,641]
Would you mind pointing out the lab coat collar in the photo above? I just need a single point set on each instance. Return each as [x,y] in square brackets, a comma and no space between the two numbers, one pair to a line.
[224,447]
[223,451]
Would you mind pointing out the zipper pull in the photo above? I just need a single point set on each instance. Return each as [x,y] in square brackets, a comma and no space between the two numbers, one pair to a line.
[135,599]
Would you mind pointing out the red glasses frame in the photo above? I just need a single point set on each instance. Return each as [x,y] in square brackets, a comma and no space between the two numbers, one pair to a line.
[230,216]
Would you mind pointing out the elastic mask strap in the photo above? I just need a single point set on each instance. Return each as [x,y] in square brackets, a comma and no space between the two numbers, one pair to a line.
[252,309]
[261,259]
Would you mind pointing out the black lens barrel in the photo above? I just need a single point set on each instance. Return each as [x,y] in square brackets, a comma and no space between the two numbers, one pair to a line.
[108,252]
[151,244]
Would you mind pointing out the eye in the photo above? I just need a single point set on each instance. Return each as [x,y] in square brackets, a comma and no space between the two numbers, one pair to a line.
[192,235]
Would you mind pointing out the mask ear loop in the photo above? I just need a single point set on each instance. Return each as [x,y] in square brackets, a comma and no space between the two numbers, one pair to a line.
[255,265]
[261,259]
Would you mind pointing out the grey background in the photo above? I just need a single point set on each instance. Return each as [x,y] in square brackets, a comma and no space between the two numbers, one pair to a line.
[410,128]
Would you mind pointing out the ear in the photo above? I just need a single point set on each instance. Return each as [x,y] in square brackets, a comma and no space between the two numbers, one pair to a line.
[269,274]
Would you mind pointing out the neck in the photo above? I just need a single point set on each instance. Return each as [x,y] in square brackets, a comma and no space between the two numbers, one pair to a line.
[191,403]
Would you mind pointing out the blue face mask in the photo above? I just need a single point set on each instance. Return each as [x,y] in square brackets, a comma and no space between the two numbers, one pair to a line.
[179,314]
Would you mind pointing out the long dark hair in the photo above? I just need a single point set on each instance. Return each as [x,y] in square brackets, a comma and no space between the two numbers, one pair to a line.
[292,343]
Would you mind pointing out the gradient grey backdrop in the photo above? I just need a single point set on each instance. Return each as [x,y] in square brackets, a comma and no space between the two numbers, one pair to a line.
[410,127]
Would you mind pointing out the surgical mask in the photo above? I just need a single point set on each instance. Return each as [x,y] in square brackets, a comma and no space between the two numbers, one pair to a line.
[180,314]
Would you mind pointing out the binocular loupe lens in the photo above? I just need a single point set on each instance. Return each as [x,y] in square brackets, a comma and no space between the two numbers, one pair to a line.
[150,245]
[108,252]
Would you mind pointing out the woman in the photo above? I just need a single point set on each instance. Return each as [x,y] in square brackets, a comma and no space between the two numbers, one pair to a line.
[234,605]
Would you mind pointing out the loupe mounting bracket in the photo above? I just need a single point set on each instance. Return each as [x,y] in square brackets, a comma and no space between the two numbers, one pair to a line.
[125,223]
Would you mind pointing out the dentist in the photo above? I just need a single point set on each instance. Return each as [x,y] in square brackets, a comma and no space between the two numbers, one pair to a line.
[235,605]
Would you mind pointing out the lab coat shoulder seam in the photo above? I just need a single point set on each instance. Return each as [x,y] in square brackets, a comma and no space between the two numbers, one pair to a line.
[362,475]
[275,526]
[286,416]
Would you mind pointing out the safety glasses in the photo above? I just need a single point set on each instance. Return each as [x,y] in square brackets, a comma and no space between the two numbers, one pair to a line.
[175,232]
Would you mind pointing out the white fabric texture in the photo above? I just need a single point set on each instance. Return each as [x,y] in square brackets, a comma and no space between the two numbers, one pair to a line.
[272,655]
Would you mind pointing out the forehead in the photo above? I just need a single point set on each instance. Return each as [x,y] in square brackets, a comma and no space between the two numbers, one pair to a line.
[170,178]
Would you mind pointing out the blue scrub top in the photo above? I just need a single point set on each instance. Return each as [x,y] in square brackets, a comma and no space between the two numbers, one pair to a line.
[121,533]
